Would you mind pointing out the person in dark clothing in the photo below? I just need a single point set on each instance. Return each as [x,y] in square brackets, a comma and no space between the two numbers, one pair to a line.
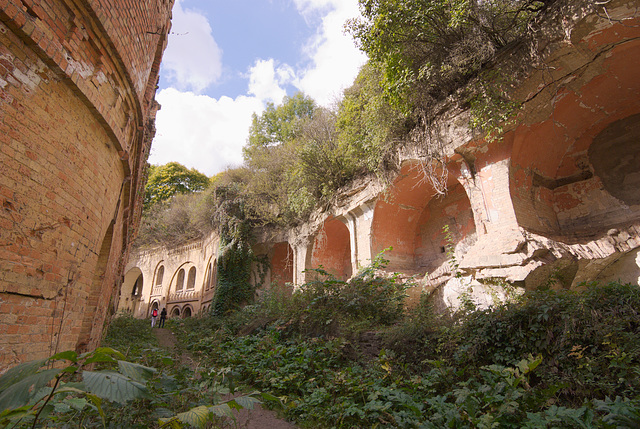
[163,317]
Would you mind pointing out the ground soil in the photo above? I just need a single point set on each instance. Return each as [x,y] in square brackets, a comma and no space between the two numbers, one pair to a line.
[258,418]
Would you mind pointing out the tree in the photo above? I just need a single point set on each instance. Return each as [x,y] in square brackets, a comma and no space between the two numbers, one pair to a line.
[368,126]
[277,125]
[170,179]
[428,48]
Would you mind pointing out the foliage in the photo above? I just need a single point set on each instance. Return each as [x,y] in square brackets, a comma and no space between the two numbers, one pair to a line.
[277,125]
[428,48]
[327,304]
[171,179]
[27,395]
[552,359]
[173,222]
[369,128]
[589,340]
[235,257]
[119,393]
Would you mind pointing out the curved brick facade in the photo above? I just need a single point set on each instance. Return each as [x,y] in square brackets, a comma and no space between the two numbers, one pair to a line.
[77,81]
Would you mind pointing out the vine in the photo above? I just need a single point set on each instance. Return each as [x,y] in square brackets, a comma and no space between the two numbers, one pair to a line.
[234,286]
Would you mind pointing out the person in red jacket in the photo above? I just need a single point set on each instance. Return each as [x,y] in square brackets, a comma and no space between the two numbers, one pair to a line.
[154,316]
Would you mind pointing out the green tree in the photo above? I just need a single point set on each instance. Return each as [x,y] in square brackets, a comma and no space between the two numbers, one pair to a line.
[368,126]
[428,48]
[277,125]
[275,193]
[170,179]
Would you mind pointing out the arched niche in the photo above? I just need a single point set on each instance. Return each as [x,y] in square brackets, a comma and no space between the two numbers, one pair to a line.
[191,279]
[411,218]
[210,277]
[282,264]
[180,280]
[131,290]
[175,312]
[331,249]
[159,275]
[575,174]
[187,312]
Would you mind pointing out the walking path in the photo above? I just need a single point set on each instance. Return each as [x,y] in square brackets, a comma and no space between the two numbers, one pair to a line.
[258,418]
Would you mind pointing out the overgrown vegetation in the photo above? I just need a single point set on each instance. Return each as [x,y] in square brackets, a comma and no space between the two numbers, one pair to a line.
[549,359]
[105,388]
[427,49]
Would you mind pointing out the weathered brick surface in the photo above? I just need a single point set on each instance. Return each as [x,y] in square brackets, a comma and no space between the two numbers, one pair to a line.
[76,122]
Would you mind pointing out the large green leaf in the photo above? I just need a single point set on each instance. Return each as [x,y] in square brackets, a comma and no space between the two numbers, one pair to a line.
[66,355]
[195,417]
[113,386]
[246,402]
[19,394]
[136,371]
[19,372]
[222,410]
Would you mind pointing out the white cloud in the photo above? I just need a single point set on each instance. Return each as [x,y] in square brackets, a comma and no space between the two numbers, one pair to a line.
[335,60]
[265,80]
[192,60]
[202,132]
[207,133]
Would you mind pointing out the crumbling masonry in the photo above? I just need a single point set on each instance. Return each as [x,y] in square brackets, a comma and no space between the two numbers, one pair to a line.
[77,109]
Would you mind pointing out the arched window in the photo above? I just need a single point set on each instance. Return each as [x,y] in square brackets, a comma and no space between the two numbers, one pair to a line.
[212,277]
[180,280]
[191,280]
[175,312]
[186,312]
[159,275]
[207,282]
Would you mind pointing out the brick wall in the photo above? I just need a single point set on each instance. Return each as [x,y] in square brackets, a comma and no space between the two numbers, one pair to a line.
[75,132]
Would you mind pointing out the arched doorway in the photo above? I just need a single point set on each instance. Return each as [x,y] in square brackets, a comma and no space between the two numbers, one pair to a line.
[131,291]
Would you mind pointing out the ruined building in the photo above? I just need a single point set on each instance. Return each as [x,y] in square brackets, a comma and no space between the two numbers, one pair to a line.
[554,201]
[77,109]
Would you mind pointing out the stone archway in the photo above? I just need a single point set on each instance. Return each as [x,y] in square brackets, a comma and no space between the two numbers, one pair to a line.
[282,264]
[410,220]
[187,312]
[131,291]
[331,249]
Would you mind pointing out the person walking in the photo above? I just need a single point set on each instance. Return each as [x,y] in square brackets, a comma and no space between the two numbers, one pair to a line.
[163,317]
[154,316]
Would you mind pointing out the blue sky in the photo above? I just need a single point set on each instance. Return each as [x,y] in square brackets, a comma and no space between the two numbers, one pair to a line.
[226,59]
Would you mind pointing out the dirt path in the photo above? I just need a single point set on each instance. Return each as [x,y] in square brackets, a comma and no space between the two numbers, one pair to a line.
[258,418]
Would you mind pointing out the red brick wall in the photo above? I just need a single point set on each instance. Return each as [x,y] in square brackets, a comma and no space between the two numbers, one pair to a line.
[332,250]
[75,132]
